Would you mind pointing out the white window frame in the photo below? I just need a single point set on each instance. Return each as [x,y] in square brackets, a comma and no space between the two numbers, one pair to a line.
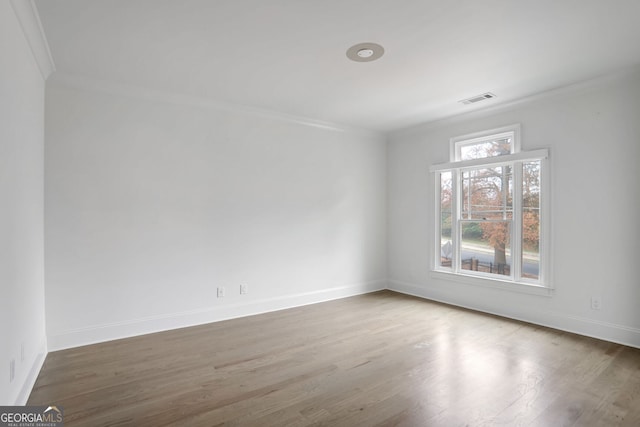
[507,131]
[541,286]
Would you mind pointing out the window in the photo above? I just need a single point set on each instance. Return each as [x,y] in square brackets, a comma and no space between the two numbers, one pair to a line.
[490,210]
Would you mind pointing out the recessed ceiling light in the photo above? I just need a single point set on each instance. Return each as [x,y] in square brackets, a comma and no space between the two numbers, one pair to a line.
[365,52]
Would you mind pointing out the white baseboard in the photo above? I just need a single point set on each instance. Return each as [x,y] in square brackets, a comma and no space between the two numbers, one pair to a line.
[619,334]
[32,376]
[134,327]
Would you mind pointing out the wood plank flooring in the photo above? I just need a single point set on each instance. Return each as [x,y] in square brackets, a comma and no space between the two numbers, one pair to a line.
[382,359]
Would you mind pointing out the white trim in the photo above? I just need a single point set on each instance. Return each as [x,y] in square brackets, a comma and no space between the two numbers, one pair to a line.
[134,327]
[517,253]
[27,14]
[436,184]
[492,109]
[616,333]
[522,156]
[32,376]
[493,282]
[457,142]
[515,159]
[74,81]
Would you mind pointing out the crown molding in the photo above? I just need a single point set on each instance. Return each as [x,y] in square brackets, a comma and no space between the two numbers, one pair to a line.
[29,19]
[85,83]
[567,90]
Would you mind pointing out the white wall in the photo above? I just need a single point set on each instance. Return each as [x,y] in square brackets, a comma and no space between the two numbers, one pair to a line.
[21,212]
[593,132]
[151,205]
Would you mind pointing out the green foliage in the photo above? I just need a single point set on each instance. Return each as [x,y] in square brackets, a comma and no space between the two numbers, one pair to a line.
[472,231]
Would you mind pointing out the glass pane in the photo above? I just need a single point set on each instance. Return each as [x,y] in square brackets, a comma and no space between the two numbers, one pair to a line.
[484,149]
[531,220]
[446,193]
[487,193]
[485,246]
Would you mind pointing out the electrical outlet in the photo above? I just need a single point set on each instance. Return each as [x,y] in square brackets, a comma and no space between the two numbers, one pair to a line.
[12,370]
[244,289]
[220,291]
[596,303]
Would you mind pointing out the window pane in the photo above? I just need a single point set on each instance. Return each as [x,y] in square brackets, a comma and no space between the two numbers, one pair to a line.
[485,246]
[483,149]
[487,193]
[446,194]
[531,220]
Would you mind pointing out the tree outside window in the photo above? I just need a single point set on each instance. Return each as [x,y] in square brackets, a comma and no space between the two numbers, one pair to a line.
[489,208]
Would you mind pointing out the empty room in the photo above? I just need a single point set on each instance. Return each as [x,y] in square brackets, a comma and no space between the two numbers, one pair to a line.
[319,213]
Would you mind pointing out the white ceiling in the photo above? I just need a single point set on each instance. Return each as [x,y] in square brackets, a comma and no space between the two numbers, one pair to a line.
[289,56]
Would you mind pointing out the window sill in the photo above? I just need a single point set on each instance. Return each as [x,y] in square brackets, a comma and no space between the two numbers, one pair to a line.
[507,285]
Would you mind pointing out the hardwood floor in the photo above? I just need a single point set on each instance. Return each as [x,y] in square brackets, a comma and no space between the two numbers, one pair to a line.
[380,359]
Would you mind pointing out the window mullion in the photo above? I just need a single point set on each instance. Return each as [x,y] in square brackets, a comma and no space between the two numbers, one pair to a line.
[455,217]
[437,259]
[516,232]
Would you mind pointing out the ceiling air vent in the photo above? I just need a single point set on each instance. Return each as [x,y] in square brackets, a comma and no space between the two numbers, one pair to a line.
[478,98]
